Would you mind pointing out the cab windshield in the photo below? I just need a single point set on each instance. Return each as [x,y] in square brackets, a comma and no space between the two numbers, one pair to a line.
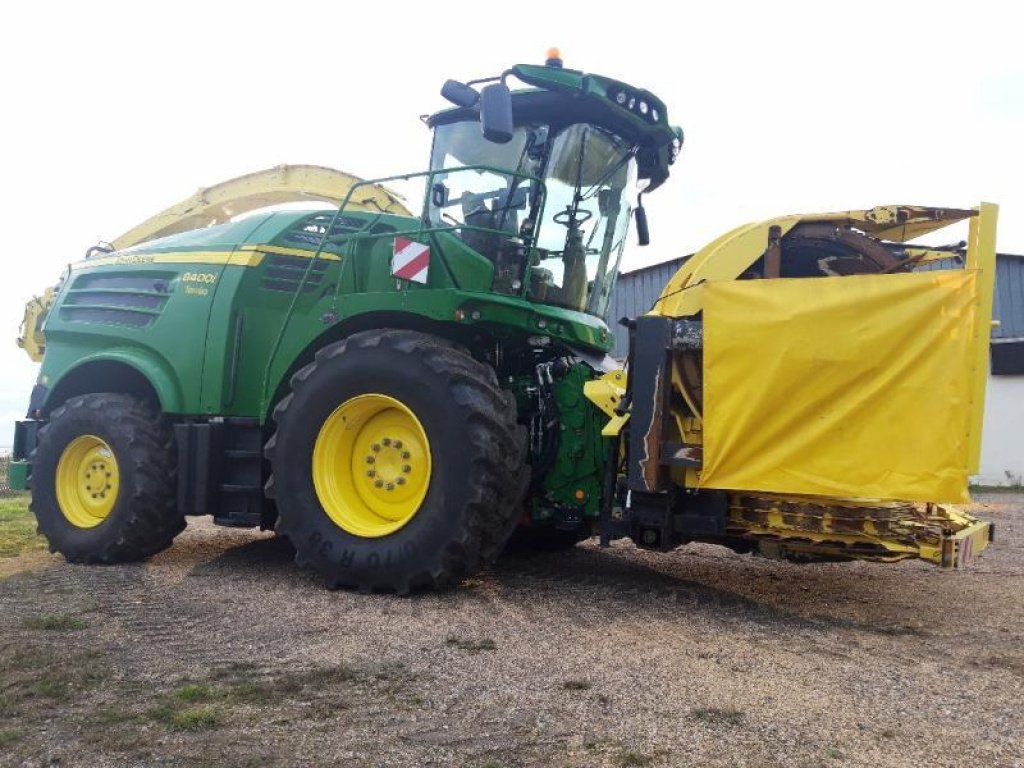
[588,174]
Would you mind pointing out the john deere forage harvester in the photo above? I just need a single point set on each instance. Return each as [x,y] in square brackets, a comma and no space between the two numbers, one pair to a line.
[399,393]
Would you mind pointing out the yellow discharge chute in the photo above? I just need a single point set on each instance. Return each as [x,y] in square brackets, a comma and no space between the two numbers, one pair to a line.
[273,186]
[853,386]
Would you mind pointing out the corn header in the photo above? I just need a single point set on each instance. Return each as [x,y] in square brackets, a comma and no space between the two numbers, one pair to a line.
[821,382]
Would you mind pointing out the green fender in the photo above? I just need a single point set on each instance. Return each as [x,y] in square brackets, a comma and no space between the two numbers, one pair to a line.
[155,370]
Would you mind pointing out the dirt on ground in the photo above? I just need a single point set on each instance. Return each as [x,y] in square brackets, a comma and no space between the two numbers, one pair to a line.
[221,652]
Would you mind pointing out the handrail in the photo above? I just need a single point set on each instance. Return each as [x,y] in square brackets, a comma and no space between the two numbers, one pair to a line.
[363,234]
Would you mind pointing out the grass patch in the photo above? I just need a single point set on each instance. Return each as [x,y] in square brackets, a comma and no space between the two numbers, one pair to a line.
[9,736]
[194,692]
[18,528]
[576,685]
[260,694]
[55,622]
[1015,488]
[718,715]
[472,646]
[834,753]
[35,673]
[198,719]
[629,758]
[110,716]
[57,687]
[242,687]
[172,717]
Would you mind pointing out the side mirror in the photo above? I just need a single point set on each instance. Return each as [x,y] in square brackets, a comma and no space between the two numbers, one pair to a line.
[496,113]
[459,94]
[643,233]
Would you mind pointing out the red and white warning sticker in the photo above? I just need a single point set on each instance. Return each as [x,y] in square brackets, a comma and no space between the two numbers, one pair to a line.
[411,260]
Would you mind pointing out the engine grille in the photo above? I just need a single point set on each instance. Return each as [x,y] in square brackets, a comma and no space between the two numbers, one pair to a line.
[132,300]
[284,273]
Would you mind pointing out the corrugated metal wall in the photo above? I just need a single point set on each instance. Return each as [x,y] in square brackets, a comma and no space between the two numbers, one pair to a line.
[636,291]
[1009,298]
[634,294]
[1009,304]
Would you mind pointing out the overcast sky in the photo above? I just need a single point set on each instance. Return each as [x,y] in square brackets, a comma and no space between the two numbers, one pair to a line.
[112,112]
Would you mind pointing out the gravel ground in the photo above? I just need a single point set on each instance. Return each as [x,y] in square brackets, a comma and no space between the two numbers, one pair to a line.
[220,652]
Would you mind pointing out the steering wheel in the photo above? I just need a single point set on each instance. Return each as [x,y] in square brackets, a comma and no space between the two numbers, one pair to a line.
[582,215]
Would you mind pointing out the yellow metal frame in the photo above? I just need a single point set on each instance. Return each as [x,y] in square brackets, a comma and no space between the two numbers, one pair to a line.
[729,256]
[606,393]
[981,257]
[858,529]
[274,186]
[32,339]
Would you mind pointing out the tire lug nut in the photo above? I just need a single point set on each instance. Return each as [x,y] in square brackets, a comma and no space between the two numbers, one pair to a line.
[398,443]
[405,454]
[406,468]
[379,483]
[375,447]
[390,486]
[370,459]
[371,473]
[400,480]
[386,441]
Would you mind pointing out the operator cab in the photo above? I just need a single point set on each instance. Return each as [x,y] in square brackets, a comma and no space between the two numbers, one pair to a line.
[549,202]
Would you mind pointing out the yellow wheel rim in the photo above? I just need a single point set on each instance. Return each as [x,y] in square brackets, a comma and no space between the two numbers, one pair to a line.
[371,465]
[88,480]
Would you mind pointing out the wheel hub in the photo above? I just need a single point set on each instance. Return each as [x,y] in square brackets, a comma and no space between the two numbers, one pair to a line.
[87,481]
[371,465]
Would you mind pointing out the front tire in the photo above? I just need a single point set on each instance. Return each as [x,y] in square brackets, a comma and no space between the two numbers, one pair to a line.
[370,514]
[104,480]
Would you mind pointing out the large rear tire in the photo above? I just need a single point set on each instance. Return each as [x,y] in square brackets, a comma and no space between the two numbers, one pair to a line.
[397,462]
[104,480]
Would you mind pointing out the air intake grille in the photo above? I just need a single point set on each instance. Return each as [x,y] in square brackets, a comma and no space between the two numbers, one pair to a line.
[284,273]
[132,300]
[310,232]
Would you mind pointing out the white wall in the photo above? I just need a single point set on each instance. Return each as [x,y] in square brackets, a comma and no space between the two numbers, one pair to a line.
[1002,438]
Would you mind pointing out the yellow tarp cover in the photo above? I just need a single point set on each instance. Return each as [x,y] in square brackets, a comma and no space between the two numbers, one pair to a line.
[841,386]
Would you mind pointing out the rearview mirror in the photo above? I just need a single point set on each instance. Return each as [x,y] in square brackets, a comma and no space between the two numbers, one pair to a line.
[459,94]
[643,232]
[496,113]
